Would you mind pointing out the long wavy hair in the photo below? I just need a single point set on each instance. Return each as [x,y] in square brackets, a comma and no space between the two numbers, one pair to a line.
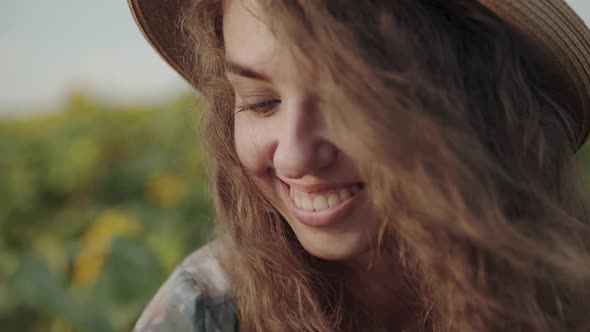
[469,157]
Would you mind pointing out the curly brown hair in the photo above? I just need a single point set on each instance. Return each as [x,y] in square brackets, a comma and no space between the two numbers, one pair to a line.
[469,157]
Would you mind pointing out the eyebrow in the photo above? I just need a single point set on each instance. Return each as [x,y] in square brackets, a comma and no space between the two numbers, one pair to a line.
[244,71]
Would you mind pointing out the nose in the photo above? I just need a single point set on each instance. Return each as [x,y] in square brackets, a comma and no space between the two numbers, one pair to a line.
[302,145]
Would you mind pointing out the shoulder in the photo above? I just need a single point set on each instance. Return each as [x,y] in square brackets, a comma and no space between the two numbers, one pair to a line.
[195,298]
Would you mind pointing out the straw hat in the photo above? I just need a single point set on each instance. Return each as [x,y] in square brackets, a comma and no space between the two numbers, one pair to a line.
[552,26]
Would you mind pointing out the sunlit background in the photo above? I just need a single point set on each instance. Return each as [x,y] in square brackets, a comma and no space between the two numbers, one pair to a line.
[102,185]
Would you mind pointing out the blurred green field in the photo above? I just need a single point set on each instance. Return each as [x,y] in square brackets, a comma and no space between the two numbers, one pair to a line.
[97,205]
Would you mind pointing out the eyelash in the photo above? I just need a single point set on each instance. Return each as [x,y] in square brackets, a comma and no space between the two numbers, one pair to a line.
[263,107]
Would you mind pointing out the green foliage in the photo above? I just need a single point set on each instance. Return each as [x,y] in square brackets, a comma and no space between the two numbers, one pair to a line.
[97,205]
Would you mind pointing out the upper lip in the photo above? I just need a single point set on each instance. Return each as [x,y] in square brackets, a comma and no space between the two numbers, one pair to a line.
[316,187]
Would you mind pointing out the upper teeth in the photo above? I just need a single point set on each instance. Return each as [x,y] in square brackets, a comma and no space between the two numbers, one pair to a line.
[318,201]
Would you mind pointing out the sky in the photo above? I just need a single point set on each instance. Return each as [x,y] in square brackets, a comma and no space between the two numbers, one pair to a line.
[50,48]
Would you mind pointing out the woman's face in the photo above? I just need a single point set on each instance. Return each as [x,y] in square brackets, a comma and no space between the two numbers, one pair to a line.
[306,170]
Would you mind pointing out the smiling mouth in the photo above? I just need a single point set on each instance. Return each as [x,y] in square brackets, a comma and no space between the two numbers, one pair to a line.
[324,200]
[324,208]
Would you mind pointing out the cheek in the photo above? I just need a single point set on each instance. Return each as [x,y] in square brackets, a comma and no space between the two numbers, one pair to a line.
[251,144]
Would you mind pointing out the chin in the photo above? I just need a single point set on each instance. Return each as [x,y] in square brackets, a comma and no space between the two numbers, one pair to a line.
[334,247]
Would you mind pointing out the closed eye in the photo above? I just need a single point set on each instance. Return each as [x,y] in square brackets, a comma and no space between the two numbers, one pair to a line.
[261,108]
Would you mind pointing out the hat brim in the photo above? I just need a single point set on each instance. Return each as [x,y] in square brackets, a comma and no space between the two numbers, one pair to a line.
[159,21]
[558,32]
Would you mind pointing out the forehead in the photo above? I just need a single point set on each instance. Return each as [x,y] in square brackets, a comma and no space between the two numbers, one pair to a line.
[247,38]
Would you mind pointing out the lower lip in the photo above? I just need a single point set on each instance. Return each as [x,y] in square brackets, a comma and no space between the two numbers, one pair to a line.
[324,218]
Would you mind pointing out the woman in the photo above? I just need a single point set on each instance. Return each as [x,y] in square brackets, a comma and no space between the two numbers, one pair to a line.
[384,165]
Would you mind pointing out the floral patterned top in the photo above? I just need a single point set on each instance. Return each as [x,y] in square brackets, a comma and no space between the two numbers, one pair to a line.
[196,298]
